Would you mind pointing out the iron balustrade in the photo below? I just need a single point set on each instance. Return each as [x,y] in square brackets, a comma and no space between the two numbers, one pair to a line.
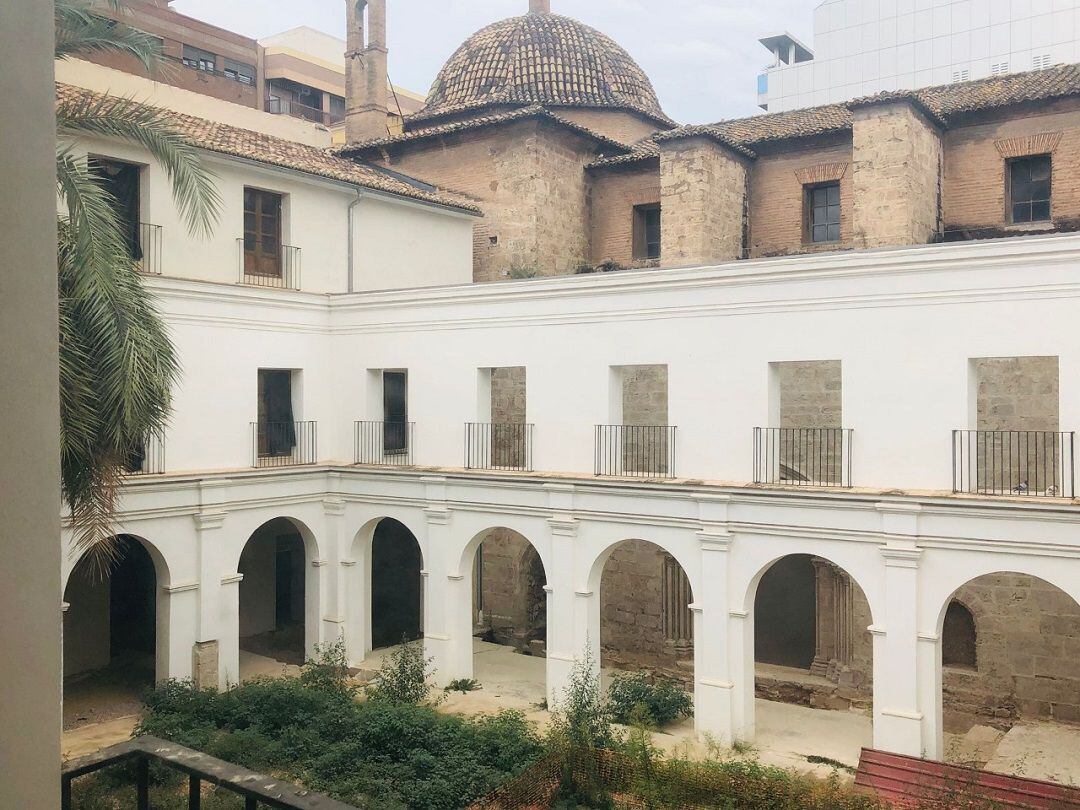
[383,444]
[150,247]
[636,451]
[817,457]
[498,446]
[257,790]
[286,275]
[297,109]
[1014,462]
[284,444]
[149,457]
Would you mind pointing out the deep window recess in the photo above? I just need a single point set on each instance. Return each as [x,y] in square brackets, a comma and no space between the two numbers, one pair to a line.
[277,430]
[262,233]
[395,411]
[199,59]
[239,72]
[121,181]
[1029,189]
[647,232]
[958,639]
[823,213]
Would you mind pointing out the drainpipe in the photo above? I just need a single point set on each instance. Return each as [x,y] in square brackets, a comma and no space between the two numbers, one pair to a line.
[352,237]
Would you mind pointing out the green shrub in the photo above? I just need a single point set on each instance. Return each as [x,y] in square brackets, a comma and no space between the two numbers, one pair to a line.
[329,669]
[462,685]
[663,700]
[404,678]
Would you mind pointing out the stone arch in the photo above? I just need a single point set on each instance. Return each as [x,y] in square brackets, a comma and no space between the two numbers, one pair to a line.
[115,622]
[835,668]
[508,580]
[1027,641]
[278,594]
[645,597]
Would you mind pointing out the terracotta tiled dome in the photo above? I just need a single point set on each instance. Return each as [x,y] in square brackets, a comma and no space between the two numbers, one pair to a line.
[542,59]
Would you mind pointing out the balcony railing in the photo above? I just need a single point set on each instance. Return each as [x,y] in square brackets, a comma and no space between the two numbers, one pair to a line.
[639,451]
[1014,462]
[256,789]
[262,270]
[295,109]
[498,446]
[817,457]
[149,458]
[383,444]
[283,444]
[150,246]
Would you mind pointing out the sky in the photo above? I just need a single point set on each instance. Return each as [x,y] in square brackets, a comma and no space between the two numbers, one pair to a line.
[703,56]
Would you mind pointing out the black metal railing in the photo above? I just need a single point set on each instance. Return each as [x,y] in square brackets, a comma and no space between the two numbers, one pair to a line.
[383,444]
[257,790]
[297,109]
[815,457]
[1014,462]
[281,271]
[284,444]
[149,457]
[498,446]
[641,451]
[150,247]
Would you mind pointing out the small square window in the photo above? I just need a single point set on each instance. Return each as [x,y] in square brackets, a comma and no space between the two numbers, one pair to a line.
[646,232]
[1029,189]
[823,212]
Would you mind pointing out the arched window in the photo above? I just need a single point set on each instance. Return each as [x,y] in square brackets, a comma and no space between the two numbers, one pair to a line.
[958,637]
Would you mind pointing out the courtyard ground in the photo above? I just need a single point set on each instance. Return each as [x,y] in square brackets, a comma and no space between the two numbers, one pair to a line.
[786,734]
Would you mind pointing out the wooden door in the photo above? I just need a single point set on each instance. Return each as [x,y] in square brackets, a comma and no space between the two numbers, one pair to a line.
[262,233]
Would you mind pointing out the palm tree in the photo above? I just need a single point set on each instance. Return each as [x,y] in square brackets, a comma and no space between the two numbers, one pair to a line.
[117,364]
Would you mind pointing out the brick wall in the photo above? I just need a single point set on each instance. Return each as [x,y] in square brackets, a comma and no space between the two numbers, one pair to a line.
[615,192]
[530,181]
[896,164]
[624,127]
[1027,646]
[974,189]
[703,194]
[777,211]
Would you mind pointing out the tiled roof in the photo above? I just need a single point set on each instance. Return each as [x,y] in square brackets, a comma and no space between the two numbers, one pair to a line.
[479,122]
[542,59]
[229,140]
[943,104]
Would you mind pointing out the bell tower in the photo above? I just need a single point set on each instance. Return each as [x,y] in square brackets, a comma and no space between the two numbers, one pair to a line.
[365,70]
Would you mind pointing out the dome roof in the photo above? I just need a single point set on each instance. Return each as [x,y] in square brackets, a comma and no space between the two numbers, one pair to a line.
[543,59]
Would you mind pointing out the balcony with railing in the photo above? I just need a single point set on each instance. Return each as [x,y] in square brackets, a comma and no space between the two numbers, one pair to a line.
[817,457]
[149,259]
[297,109]
[1014,462]
[269,266]
[383,444]
[498,446]
[635,451]
[149,457]
[255,789]
[284,444]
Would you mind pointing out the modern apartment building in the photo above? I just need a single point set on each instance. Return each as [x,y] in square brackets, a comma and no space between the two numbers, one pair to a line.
[861,47]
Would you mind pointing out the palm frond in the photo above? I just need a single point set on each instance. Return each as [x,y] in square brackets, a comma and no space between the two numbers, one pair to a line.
[196,195]
[82,32]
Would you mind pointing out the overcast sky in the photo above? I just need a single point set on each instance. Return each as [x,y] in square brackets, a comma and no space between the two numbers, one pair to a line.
[702,55]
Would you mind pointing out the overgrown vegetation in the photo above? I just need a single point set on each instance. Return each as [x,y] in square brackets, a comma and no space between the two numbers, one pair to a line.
[462,685]
[661,700]
[390,751]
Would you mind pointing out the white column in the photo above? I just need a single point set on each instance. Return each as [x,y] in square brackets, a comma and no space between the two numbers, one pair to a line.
[562,640]
[898,715]
[929,664]
[714,686]
[177,630]
[211,649]
[437,591]
[330,611]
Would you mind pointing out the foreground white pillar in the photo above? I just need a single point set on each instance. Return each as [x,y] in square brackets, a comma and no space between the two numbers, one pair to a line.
[561,635]
[714,687]
[437,593]
[29,400]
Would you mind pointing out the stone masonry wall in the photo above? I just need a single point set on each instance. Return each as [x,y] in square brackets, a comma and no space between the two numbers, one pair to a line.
[511,590]
[811,394]
[1027,648]
[897,157]
[508,393]
[703,196]
[623,127]
[529,179]
[615,192]
[974,187]
[1016,393]
[645,395]
[777,204]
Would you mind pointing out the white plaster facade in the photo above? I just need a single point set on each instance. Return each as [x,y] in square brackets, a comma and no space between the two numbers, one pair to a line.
[866,46]
[904,323]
